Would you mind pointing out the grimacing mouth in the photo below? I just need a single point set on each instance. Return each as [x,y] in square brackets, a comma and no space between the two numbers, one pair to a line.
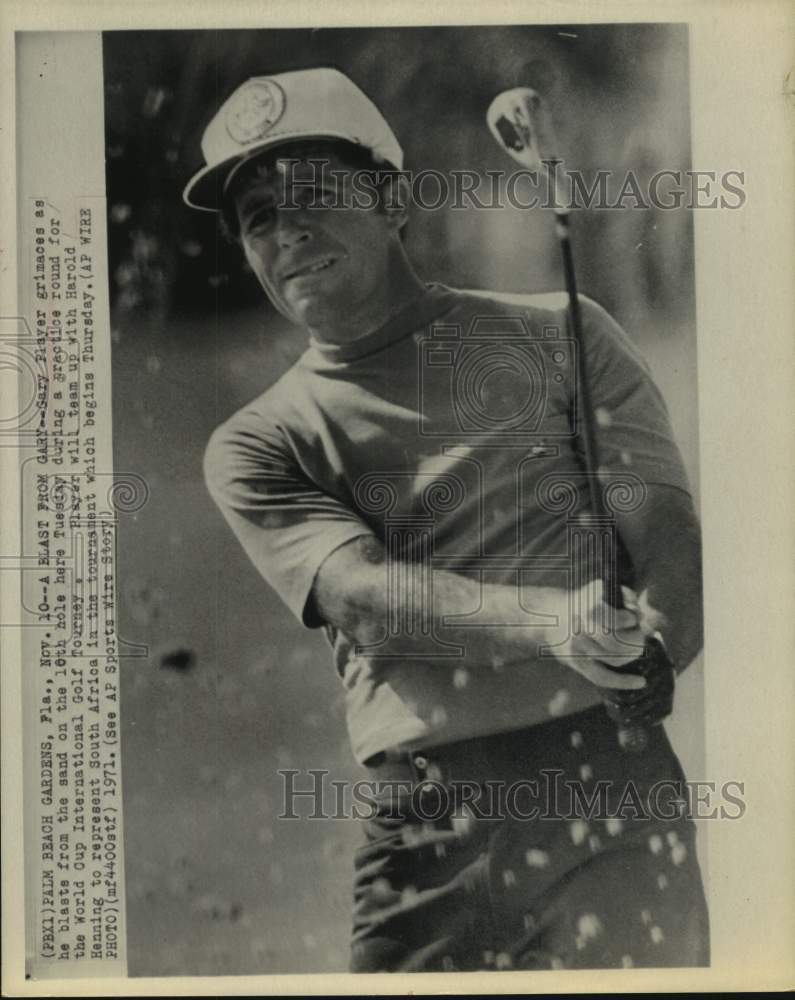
[312,267]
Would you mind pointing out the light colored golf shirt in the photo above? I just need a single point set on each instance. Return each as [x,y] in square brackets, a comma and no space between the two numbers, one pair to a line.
[447,434]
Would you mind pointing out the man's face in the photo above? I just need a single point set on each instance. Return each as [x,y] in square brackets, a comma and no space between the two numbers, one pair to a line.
[318,256]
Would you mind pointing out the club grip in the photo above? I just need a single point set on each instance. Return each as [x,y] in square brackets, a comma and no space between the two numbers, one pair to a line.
[636,711]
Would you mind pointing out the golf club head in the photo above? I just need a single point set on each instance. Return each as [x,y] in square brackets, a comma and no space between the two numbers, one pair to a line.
[517,121]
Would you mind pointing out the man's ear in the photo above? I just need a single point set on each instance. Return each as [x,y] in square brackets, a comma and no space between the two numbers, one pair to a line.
[397,195]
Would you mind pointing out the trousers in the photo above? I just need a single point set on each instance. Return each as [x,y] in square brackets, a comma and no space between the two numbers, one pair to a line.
[553,847]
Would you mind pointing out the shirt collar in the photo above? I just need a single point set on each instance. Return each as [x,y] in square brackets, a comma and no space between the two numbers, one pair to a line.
[433,300]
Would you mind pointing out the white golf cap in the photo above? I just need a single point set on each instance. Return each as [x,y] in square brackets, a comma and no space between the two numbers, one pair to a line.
[268,111]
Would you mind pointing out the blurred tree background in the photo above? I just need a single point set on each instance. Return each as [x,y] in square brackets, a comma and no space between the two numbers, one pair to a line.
[231,688]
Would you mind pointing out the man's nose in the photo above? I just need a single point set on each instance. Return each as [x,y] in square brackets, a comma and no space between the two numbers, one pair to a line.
[291,229]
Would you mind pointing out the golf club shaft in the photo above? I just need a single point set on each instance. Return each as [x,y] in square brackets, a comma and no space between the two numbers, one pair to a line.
[518,122]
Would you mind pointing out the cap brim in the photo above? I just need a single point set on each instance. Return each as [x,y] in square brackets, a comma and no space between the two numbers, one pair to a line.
[206,189]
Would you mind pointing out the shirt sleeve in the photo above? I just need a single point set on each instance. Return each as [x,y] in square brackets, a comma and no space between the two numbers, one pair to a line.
[285,523]
[633,428]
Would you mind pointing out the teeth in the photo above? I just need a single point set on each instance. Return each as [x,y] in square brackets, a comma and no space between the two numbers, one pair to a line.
[311,270]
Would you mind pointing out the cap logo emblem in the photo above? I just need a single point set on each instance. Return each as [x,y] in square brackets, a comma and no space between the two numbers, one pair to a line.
[254,111]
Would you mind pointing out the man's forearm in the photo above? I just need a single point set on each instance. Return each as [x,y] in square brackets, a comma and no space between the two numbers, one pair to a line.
[666,558]
[353,593]
[674,591]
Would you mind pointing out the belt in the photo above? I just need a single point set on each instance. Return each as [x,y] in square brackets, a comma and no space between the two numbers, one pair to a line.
[564,742]
[483,757]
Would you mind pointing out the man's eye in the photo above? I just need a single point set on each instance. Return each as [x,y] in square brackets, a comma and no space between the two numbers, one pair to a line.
[260,218]
[305,197]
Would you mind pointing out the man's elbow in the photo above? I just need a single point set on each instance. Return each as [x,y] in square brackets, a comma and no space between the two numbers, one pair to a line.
[350,590]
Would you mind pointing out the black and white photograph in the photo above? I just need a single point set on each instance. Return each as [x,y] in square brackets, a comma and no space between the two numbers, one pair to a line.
[371,505]
[397,445]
